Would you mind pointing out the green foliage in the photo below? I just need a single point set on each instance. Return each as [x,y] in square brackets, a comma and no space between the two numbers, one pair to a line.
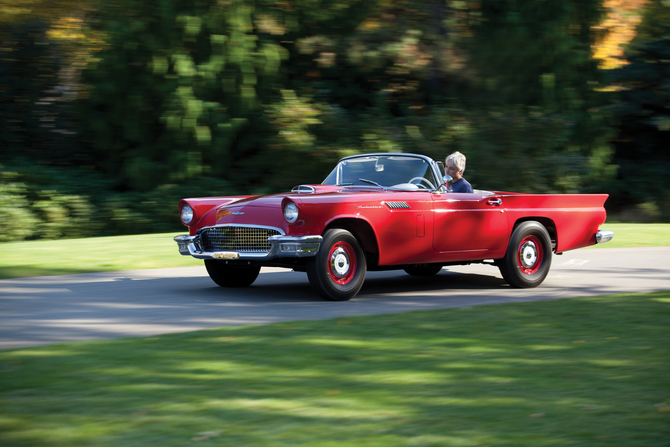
[537,52]
[196,78]
[655,20]
[28,212]
[53,203]
[214,97]
[33,121]
[191,78]
[532,144]
[17,222]
[641,109]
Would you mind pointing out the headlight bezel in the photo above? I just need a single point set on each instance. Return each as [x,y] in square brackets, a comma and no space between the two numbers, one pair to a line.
[186,214]
[291,212]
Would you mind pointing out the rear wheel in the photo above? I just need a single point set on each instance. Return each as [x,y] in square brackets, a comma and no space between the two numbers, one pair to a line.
[528,256]
[232,275]
[337,272]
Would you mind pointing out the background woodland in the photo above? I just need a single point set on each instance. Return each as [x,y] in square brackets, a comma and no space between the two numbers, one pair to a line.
[111,111]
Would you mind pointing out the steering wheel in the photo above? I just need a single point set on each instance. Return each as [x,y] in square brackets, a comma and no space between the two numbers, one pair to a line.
[422,180]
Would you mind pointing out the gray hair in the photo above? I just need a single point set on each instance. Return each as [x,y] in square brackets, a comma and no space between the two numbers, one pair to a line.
[458,159]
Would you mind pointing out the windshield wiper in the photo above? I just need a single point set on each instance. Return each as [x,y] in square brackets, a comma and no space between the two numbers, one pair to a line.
[364,180]
[344,184]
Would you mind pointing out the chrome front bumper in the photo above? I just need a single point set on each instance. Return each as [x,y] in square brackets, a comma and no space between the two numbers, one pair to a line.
[603,236]
[280,247]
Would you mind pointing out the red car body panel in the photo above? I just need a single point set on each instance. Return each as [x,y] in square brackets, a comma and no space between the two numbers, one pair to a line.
[434,228]
[576,217]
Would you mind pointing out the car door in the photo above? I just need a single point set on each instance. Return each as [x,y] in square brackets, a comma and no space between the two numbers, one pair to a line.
[469,226]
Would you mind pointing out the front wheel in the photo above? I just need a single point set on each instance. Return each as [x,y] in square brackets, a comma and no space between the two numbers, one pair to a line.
[231,275]
[337,271]
[528,256]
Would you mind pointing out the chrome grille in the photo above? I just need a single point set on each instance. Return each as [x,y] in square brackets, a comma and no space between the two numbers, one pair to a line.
[238,239]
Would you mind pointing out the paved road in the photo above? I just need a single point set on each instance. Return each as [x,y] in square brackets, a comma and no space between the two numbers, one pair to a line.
[44,310]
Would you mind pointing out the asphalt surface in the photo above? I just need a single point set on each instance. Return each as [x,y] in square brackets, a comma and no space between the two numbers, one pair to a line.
[45,310]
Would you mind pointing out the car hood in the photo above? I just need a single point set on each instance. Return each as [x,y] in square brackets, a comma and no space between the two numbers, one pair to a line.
[266,209]
[275,200]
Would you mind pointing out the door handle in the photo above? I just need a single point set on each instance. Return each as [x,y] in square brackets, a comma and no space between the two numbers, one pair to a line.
[494,202]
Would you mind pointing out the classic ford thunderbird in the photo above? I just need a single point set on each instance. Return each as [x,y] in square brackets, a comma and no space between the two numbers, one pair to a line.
[381,212]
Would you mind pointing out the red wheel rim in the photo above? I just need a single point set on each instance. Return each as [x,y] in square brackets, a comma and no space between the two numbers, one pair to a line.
[530,255]
[342,262]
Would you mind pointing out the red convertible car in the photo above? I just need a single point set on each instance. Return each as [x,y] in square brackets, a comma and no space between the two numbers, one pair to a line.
[382,212]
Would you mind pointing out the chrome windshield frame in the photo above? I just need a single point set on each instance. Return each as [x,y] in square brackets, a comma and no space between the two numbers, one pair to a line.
[437,176]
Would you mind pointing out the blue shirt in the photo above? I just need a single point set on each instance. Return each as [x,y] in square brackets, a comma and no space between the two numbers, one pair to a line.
[461,186]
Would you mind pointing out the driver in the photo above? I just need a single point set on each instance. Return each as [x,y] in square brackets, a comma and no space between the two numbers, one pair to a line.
[455,168]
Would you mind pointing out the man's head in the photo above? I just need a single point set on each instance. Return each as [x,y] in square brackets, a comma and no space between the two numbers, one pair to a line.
[455,165]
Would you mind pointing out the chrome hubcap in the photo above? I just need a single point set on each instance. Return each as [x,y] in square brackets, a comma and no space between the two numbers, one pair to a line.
[528,254]
[340,263]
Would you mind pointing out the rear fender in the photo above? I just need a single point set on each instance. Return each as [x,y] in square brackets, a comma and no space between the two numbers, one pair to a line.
[548,224]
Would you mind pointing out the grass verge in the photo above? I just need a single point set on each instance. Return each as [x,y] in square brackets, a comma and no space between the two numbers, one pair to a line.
[638,235]
[98,254]
[577,372]
[43,258]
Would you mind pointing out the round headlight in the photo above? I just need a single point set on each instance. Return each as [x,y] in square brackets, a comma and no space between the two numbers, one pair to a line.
[187,214]
[291,212]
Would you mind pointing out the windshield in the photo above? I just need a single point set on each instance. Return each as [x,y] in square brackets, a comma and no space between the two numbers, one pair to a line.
[393,172]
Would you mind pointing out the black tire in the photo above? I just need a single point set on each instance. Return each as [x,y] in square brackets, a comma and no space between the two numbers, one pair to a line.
[424,271]
[231,275]
[337,272]
[528,256]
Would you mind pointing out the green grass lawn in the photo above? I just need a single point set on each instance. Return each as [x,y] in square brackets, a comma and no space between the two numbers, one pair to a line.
[42,258]
[574,372]
[98,254]
[638,235]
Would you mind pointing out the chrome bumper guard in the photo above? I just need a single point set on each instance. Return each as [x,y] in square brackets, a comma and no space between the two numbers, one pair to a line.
[603,236]
[280,247]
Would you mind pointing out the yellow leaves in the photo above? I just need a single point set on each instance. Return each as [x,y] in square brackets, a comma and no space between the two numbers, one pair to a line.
[663,407]
[620,27]
[67,19]
[67,28]
[371,23]
[9,9]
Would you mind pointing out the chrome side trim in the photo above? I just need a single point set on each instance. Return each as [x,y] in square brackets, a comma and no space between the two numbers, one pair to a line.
[280,247]
[603,236]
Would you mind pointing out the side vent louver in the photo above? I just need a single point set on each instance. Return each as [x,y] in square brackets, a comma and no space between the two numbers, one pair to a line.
[397,205]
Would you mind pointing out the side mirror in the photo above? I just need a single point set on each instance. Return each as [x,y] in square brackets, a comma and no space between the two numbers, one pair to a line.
[447,182]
